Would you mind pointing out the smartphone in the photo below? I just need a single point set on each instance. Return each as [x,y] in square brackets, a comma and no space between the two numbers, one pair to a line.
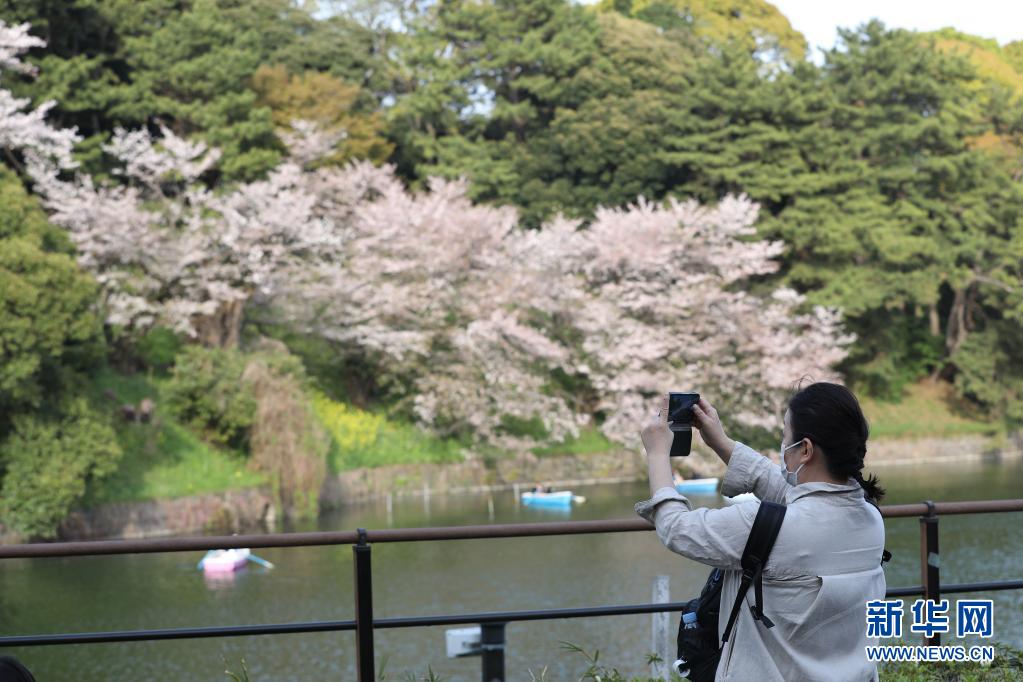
[680,410]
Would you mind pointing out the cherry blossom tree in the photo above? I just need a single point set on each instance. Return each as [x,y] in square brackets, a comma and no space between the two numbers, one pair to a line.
[169,250]
[480,316]
[484,325]
[23,129]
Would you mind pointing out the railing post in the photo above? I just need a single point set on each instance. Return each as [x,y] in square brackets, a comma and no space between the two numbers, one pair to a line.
[930,562]
[661,630]
[492,645]
[364,653]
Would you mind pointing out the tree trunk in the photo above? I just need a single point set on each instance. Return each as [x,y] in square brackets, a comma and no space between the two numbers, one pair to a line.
[934,321]
[223,328]
[955,331]
[971,306]
[932,313]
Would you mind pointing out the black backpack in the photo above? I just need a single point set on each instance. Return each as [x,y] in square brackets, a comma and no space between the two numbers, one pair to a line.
[698,648]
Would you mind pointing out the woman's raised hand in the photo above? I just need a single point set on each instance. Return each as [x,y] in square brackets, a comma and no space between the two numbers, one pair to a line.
[656,434]
[706,419]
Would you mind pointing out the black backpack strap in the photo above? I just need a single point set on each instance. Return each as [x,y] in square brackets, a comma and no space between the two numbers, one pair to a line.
[758,607]
[754,557]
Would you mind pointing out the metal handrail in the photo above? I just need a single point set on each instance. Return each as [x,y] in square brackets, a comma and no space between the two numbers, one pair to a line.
[492,623]
[421,621]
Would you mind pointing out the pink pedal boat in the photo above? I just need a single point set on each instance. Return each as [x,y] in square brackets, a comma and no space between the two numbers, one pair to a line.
[224,560]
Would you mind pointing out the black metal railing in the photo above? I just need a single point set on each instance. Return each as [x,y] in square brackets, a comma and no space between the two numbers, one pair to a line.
[492,623]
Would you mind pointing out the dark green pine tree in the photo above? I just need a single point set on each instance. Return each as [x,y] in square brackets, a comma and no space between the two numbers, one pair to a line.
[187,65]
[868,169]
[907,218]
[488,78]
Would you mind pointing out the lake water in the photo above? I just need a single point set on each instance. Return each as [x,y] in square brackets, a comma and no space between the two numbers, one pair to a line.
[161,591]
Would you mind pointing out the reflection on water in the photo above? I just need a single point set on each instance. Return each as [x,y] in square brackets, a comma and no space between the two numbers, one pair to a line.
[158,591]
[228,580]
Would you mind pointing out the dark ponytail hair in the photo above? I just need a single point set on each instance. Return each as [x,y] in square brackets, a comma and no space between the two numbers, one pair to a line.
[830,416]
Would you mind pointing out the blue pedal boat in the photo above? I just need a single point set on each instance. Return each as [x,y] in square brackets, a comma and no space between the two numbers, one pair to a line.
[697,486]
[559,500]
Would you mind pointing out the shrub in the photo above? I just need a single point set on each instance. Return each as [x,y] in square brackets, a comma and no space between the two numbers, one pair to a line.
[364,439]
[206,392]
[48,462]
[1006,666]
[351,428]
[158,348]
[287,441]
[48,323]
[989,372]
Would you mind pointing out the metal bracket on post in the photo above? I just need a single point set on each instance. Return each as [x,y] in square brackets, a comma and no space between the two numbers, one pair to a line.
[930,562]
[364,654]
[492,648]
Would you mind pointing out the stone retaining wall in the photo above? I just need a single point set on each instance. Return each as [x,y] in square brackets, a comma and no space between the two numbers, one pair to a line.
[244,510]
[476,476]
[234,511]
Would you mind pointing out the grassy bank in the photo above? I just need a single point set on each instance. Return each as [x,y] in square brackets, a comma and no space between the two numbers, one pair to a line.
[163,458]
[166,459]
[926,409]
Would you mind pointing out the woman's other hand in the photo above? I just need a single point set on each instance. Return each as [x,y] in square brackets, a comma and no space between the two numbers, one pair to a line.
[706,419]
[656,435]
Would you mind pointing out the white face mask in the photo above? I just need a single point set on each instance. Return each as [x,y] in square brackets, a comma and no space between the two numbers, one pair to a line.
[791,477]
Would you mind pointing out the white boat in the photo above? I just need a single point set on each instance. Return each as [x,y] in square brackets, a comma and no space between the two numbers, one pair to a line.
[740,498]
[698,485]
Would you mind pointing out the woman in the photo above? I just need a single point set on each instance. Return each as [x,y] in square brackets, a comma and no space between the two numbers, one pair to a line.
[826,562]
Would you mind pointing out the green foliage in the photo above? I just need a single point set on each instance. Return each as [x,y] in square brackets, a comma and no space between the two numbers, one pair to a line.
[889,172]
[51,443]
[47,322]
[335,371]
[928,409]
[495,74]
[900,351]
[327,101]
[133,63]
[241,676]
[519,426]
[364,439]
[575,113]
[591,440]
[350,51]
[78,68]
[163,459]
[758,26]
[1007,665]
[158,348]
[990,372]
[898,219]
[207,393]
[192,68]
[603,673]
[21,216]
[287,440]
[47,462]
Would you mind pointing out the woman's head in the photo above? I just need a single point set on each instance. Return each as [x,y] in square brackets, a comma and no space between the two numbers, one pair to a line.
[830,417]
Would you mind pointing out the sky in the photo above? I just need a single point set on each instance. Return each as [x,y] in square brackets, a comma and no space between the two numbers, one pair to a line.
[819,19]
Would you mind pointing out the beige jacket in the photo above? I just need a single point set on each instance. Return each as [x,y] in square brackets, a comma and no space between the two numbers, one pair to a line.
[824,567]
